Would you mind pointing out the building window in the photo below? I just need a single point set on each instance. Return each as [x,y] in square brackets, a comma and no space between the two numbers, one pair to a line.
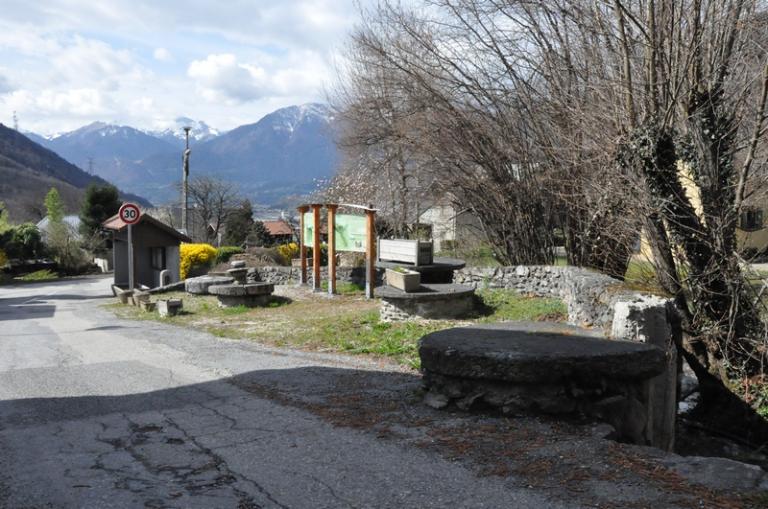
[751,219]
[157,255]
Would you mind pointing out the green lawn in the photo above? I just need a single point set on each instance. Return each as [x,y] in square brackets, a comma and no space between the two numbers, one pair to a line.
[347,323]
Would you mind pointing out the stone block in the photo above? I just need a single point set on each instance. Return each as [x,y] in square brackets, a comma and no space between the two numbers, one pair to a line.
[645,319]
[170,307]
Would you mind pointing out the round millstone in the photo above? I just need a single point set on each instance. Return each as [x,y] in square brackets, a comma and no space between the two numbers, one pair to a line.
[511,353]
[200,285]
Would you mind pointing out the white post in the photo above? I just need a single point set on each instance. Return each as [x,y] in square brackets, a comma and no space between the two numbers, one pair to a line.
[130,257]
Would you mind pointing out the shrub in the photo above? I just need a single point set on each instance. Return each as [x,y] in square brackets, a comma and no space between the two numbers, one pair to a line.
[22,242]
[3,259]
[195,258]
[288,252]
[224,253]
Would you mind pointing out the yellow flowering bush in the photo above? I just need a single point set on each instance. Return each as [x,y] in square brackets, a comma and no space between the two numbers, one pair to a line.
[195,256]
[288,252]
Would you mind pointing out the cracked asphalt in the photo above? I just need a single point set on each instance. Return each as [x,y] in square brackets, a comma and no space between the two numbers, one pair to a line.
[101,412]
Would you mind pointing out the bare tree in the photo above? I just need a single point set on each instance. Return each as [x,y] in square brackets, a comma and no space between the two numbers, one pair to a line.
[584,115]
[212,199]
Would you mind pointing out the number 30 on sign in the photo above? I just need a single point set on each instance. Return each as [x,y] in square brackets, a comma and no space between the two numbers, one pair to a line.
[130,213]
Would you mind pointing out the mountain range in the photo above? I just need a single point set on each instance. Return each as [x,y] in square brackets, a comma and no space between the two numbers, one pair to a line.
[282,155]
[28,171]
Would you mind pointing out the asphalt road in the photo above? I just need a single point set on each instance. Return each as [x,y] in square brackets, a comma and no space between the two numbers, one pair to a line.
[101,412]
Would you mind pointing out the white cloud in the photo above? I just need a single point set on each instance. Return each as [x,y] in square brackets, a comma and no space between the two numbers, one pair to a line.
[162,55]
[221,77]
[143,62]
[5,85]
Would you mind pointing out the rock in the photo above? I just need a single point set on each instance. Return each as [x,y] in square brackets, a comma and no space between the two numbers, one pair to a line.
[466,402]
[719,473]
[435,400]
[237,264]
[200,285]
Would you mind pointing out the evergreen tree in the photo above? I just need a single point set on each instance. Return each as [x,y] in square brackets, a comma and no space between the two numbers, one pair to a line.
[99,203]
[54,206]
[238,225]
[259,235]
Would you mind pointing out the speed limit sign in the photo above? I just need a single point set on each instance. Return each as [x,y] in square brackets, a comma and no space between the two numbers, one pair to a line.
[130,213]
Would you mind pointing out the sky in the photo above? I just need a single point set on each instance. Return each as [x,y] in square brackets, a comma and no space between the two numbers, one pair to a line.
[143,63]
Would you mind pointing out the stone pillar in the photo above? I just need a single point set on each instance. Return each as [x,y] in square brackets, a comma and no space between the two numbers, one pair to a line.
[645,319]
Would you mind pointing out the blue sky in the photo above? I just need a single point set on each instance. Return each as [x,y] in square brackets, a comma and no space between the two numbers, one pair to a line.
[66,63]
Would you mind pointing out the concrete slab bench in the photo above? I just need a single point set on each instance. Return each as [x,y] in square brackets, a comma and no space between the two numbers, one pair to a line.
[550,369]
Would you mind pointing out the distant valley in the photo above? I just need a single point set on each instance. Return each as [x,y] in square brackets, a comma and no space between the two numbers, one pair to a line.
[281,156]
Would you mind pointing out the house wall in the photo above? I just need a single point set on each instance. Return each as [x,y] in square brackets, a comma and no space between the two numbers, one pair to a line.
[120,254]
[172,261]
[442,220]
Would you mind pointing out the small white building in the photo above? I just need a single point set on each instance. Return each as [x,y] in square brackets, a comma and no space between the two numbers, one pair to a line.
[451,226]
[72,222]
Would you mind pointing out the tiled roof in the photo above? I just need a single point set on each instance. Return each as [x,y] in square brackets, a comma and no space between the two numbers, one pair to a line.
[279,227]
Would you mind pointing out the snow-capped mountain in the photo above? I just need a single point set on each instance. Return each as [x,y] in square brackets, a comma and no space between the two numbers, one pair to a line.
[282,154]
[100,140]
[199,132]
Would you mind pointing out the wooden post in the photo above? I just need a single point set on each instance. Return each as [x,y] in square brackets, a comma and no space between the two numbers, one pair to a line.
[370,252]
[331,248]
[316,247]
[302,245]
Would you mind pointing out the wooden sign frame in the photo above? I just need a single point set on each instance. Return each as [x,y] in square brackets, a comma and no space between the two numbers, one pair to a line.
[370,248]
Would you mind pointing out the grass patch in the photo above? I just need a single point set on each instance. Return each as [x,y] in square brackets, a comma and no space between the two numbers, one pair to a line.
[345,288]
[346,323]
[503,305]
[641,276]
[39,275]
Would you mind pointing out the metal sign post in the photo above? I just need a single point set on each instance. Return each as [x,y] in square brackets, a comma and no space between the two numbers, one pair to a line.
[130,215]
[131,279]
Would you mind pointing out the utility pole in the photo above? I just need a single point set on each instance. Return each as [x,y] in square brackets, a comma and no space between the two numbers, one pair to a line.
[90,166]
[185,184]
[15,122]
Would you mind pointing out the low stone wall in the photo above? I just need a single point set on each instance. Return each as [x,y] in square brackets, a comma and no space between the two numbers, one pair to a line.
[278,275]
[590,296]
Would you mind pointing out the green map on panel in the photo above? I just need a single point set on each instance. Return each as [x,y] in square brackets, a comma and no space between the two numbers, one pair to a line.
[309,228]
[350,233]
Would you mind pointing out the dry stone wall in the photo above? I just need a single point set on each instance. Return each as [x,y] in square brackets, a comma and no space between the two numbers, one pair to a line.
[590,296]
[278,275]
